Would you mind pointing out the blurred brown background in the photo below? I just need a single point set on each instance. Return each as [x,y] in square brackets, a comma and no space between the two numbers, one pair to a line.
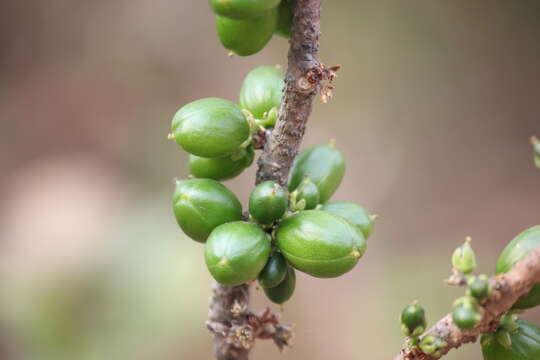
[433,110]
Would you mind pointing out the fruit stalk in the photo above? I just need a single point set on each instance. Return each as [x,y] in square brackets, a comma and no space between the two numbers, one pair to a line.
[303,82]
[507,289]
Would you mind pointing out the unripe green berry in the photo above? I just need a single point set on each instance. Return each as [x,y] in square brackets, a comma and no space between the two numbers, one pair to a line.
[273,272]
[463,258]
[283,292]
[236,252]
[480,288]
[268,202]
[413,320]
[308,192]
[466,313]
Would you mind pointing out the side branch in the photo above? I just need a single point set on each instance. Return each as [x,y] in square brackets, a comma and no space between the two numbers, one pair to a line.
[235,328]
[507,289]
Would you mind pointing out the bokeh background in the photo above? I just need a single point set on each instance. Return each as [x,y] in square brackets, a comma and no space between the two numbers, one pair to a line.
[433,110]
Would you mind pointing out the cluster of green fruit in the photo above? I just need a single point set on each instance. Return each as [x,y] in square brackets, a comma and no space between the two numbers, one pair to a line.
[218,133]
[413,324]
[246,26]
[514,339]
[286,228]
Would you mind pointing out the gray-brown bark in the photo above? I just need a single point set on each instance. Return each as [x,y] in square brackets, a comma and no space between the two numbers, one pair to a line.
[302,82]
[235,328]
[507,288]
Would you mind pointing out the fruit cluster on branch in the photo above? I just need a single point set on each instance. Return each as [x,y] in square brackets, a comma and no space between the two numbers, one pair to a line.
[489,307]
[289,224]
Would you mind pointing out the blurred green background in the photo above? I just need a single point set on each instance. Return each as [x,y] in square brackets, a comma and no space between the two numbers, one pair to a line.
[433,110]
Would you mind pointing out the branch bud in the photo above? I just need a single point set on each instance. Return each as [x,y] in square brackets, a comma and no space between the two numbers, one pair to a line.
[463,258]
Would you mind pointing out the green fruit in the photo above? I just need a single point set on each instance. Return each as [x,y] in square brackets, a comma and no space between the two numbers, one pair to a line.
[466,314]
[242,9]
[249,36]
[285,19]
[515,251]
[274,271]
[222,168]
[413,320]
[480,289]
[525,344]
[200,205]
[283,292]
[261,90]
[309,193]
[210,127]
[236,252]
[355,214]
[324,165]
[268,202]
[319,243]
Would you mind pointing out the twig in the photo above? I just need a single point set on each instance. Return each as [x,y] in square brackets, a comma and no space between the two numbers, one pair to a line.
[507,289]
[302,83]
[235,327]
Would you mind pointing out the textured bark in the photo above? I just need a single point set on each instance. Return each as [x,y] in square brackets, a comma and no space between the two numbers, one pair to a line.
[302,82]
[507,289]
[222,321]
[236,328]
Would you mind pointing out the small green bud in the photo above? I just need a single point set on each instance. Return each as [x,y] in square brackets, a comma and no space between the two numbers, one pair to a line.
[430,345]
[463,258]
[503,338]
[413,320]
[509,322]
[480,288]
[427,345]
